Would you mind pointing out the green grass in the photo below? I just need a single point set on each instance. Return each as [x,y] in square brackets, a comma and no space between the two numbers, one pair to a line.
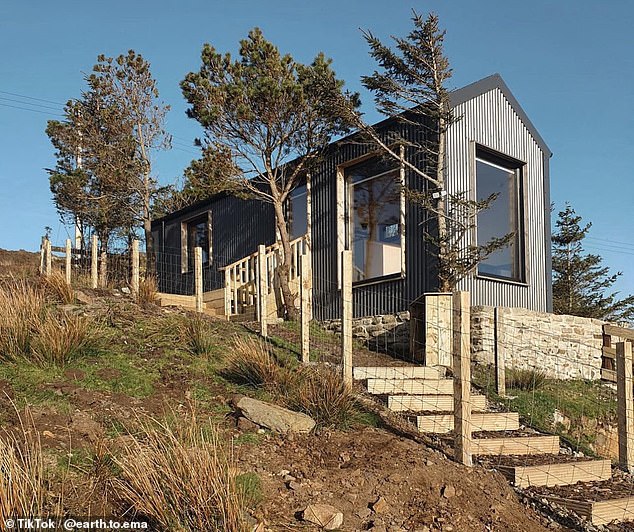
[250,486]
[31,384]
[584,403]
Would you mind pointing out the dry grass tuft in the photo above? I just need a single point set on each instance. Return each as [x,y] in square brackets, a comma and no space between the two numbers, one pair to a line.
[197,333]
[56,288]
[252,363]
[148,292]
[525,379]
[181,478]
[31,330]
[23,487]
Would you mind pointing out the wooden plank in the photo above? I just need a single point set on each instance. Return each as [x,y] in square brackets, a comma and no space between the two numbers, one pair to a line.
[621,332]
[346,316]
[604,512]
[263,291]
[198,277]
[411,386]
[561,474]
[516,445]
[625,404]
[500,351]
[93,261]
[49,259]
[68,256]
[214,296]
[177,300]
[581,508]
[304,287]
[398,372]
[227,291]
[609,352]
[430,403]
[461,346]
[608,375]
[443,423]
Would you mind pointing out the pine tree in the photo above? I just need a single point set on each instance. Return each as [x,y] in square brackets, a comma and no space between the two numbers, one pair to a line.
[581,284]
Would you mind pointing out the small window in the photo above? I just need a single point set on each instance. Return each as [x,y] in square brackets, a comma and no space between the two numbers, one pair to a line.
[374,225]
[502,177]
[196,233]
[297,214]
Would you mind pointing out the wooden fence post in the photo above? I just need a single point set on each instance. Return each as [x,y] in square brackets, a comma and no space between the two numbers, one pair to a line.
[346,315]
[305,286]
[68,257]
[499,342]
[263,291]
[93,261]
[42,255]
[198,277]
[49,258]
[462,377]
[625,404]
[227,293]
[135,268]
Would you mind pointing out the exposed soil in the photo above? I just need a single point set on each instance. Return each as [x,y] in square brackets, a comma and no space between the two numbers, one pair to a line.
[615,488]
[530,460]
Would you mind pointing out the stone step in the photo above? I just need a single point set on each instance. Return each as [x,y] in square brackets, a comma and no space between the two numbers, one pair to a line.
[520,445]
[430,403]
[557,474]
[398,372]
[411,386]
[443,423]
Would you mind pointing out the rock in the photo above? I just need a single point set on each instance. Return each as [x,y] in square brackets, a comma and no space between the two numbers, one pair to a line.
[246,425]
[274,417]
[83,297]
[125,290]
[324,515]
[293,485]
[448,491]
[380,505]
[364,513]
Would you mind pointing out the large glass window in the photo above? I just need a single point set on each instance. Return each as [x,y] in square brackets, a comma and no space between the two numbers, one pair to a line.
[502,178]
[297,213]
[374,220]
[198,235]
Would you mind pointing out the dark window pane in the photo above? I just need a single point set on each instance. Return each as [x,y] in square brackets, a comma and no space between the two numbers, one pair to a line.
[500,219]
[298,214]
[197,235]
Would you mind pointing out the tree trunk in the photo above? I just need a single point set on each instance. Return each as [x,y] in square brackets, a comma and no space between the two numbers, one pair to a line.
[444,267]
[103,262]
[150,252]
[284,267]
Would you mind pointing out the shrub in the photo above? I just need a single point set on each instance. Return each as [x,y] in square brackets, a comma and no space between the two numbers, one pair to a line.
[252,363]
[525,379]
[148,291]
[180,479]
[63,337]
[58,289]
[22,311]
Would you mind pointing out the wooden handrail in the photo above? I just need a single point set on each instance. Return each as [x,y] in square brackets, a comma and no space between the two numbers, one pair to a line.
[269,250]
[621,332]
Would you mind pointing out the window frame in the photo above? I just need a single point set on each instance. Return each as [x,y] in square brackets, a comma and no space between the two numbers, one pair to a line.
[185,224]
[345,221]
[496,159]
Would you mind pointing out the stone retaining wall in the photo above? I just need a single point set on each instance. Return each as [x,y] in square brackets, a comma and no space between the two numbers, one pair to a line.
[565,347]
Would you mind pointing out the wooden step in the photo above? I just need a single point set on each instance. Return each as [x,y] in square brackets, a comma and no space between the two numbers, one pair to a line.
[176,300]
[557,474]
[411,386]
[443,423]
[430,403]
[516,445]
[398,372]
[598,512]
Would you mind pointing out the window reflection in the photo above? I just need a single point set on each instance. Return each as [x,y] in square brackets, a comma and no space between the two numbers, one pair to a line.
[297,213]
[197,236]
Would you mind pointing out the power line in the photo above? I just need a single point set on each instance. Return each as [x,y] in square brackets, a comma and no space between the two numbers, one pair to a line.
[31,98]
[32,110]
[627,244]
[27,103]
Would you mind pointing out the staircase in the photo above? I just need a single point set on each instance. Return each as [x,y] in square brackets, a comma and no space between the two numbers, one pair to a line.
[424,396]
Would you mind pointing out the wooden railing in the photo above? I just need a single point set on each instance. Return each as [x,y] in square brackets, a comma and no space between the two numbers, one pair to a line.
[608,360]
[241,276]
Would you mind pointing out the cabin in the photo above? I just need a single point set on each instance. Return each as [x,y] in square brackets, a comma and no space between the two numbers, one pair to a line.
[354,201]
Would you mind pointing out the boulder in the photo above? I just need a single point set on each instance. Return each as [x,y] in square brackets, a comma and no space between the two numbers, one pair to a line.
[323,515]
[274,417]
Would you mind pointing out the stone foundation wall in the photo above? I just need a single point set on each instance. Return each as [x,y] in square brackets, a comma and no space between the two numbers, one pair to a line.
[566,347]
[389,333]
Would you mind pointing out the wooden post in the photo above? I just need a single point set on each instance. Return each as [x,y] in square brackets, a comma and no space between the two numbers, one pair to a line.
[462,377]
[49,258]
[135,268]
[103,268]
[625,404]
[198,277]
[68,257]
[227,293]
[93,261]
[305,285]
[42,255]
[499,342]
[346,315]
[263,291]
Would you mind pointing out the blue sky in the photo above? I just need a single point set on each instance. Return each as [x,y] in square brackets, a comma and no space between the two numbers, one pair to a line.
[569,63]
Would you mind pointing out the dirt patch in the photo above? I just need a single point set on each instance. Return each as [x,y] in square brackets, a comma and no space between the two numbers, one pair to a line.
[530,460]
[108,374]
[618,487]
[352,471]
